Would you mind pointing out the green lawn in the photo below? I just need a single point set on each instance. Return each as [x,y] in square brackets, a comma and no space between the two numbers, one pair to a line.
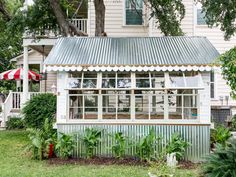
[15,162]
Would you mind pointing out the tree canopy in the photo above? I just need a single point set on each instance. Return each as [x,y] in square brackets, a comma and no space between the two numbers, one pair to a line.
[220,13]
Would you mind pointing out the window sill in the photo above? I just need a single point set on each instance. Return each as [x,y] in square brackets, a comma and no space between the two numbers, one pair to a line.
[135,26]
[136,122]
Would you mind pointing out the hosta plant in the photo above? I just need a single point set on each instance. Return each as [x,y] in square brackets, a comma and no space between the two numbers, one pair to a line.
[222,162]
[177,145]
[91,139]
[65,146]
[146,147]
[119,146]
[40,139]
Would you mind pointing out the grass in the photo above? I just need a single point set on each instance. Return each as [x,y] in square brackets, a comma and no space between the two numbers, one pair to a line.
[14,162]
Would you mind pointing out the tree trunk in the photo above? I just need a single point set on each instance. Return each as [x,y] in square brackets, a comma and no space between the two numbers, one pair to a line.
[3,10]
[100,17]
[67,28]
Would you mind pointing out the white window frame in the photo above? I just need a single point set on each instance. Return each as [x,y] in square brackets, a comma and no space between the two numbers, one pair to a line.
[144,23]
[132,111]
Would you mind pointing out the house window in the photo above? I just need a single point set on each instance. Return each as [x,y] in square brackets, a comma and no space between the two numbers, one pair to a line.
[83,105]
[201,17]
[212,84]
[133,12]
[136,96]
[182,104]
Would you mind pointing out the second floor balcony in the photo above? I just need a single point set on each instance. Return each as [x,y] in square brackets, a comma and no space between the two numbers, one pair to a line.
[48,31]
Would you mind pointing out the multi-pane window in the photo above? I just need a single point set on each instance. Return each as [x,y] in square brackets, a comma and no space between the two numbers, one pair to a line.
[116,104]
[127,95]
[83,105]
[201,17]
[134,12]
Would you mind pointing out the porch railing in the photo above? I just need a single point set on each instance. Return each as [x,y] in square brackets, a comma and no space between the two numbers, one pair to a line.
[13,103]
[49,31]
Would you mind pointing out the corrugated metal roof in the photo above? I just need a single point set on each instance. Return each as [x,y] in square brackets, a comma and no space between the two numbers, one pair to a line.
[179,50]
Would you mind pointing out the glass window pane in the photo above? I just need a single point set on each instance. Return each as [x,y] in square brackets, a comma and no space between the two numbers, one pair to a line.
[123,80]
[175,106]
[75,74]
[90,83]
[190,113]
[74,83]
[142,80]
[141,106]
[157,106]
[212,86]
[76,113]
[201,17]
[158,80]
[123,107]
[90,106]
[134,12]
[109,103]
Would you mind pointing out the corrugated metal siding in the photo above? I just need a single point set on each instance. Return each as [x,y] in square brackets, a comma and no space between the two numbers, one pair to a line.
[197,135]
[179,50]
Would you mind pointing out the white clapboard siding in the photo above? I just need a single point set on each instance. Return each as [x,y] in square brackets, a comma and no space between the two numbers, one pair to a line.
[222,90]
[61,97]
[205,113]
[114,24]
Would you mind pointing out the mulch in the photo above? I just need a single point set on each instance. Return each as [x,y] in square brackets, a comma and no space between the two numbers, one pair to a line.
[112,161]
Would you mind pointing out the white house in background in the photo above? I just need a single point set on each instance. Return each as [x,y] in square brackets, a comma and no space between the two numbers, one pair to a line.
[123,21]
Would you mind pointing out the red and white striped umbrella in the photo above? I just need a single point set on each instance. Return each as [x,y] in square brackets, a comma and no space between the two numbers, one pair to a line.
[17,74]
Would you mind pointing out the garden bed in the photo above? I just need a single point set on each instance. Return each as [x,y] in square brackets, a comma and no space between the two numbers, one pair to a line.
[113,161]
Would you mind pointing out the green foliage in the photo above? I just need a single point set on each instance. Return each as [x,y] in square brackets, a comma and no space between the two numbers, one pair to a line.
[15,123]
[146,147]
[233,123]
[222,162]
[160,169]
[169,14]
[177,145]
[220,135]
[91,139]
[40,140]
[119,147]
[38,108]
[220,13]
[65,145]
[228,61]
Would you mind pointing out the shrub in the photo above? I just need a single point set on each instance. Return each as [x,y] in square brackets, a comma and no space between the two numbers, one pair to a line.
[15,123]
[38,108]
[118,148]
[177,145]
[91,139]
[222,161]
[40,140]
[146,147]
[234,123]
[65,145]
[220,135]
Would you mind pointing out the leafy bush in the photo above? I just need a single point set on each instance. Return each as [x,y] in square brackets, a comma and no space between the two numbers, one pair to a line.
[40,140]
[146,147]
[15,123]
[91,139]
[65,145]
[220,135]
[119,147]
[177,145]
[38,108]
[233,123]
[222,162]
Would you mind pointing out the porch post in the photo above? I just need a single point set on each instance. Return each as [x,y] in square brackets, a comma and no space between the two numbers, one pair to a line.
[25,76]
